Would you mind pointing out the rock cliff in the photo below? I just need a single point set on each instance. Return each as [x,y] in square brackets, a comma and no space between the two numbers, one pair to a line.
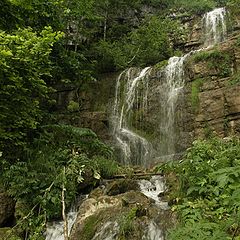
[209,104]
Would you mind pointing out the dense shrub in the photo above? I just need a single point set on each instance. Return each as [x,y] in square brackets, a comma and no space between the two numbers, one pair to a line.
[208,199]
[147,45]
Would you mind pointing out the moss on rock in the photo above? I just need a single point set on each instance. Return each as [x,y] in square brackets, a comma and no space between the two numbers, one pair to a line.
[8,234]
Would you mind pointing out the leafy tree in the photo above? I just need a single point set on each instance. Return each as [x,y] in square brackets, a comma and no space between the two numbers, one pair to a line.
[149,44]
[24,66]
[9,16]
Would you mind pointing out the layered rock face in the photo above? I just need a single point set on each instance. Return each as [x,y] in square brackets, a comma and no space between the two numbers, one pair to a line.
[214,105]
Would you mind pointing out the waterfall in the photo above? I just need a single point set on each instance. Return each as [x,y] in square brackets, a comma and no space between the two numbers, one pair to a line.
[131,102]
[215,32]
[129,105]
[215,26]
[169,92]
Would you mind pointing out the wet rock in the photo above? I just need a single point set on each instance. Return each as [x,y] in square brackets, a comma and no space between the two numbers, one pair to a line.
[121,186]
[129,215]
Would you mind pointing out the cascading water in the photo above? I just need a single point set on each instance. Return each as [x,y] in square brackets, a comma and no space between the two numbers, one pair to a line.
[169,93]
[130,103]
[153,232]
[215,32]
[215,26]
[152,189]
[55,230]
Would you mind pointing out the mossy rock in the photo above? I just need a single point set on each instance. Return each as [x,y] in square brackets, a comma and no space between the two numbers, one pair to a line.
[121,186]
[8,234]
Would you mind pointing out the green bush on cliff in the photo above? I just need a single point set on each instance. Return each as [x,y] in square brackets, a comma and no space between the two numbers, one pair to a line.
[217,61]
[235,79]
[233,5]
[208,197]
[150,43]
[196,6]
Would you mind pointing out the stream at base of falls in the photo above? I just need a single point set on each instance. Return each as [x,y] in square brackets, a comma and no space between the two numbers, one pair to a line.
[110,230]
[55,229]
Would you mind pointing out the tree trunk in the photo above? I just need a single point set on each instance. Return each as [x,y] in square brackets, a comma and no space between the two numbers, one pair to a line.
[65,220]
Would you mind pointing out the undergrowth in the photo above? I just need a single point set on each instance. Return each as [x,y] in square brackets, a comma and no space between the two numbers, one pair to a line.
[59,158]
[207,196]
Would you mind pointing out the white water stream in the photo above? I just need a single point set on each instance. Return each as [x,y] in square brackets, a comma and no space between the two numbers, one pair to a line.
[153,188]
[55,229]
[169,93]
[215,26]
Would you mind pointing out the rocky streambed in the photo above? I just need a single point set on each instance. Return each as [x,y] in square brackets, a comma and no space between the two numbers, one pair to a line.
[124,209]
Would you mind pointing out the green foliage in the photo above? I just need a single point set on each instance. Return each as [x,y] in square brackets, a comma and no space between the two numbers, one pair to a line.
[73,106]
[233,5]
[217,61]
[149,44]
[199,231]
[208,197]
[195,6]
[126,222]
[238,42]
[24,66]
[8,15]
[196,85]
[38,180]
[90,227]
[107,168]
[161,64]
[235,79]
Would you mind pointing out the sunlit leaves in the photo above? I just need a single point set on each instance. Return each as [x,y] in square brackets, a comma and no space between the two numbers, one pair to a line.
[24,66]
